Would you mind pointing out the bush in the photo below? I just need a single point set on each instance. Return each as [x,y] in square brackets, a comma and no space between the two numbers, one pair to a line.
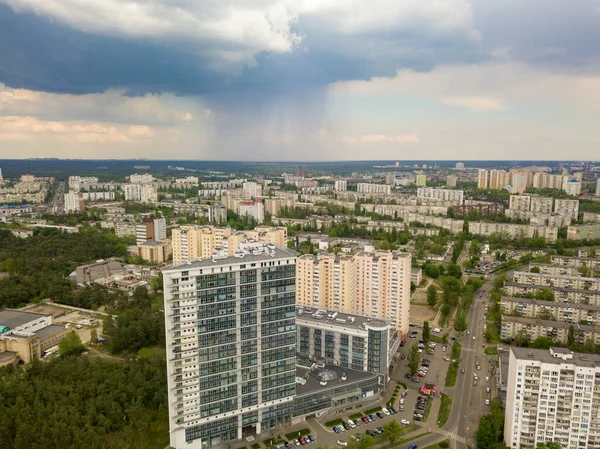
[334,422]
[255,446]
[444,444]
[296,434]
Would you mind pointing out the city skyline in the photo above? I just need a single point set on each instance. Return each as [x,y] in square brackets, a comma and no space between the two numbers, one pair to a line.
[299,80]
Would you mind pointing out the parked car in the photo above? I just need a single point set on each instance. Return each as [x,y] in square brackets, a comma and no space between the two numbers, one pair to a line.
[474,383]
[380,415]
[385,411]
[297,443]
[392,410]
[402,357]
[335,429]
[487,402]
[406,422]
[302,440]
[487,390]
[342,443]
[351,424]
[417,418]
[401,401]
[345,426]
[311,438]
[487,379]
[287,445]
[462,370]
[404,393]
[372,418]
[427,360]
[365,419]
[412,446]
[407,376]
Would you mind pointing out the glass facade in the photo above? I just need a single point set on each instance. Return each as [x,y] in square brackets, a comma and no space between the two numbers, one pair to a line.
[232,343]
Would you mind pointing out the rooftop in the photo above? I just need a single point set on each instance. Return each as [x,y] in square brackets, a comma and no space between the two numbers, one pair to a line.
[313,383]
[549,324]
[263,252]
[544,356]
[49,331]
[566,305]
[556,289]
[15,318]
[154,243]
[328,319]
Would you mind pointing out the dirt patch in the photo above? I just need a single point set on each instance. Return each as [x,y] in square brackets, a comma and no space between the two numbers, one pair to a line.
[419,314]
[49,310]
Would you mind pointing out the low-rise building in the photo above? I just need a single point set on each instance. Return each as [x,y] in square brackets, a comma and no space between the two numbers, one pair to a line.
[416,276]
[453,197]
[550,310]
[156,252]
[85,274]
[558,331]
[363,187]
[513,230]
[560,281]
[569,261]
[568,295]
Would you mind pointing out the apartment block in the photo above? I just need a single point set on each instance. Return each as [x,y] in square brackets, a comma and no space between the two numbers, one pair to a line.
[340,185]
[592,263]
[455,197]
[252,190]
[550,310]
[567,208]
[589,217]
[451,180]
[569,295]
[421,180]
[520,203]
[499,179]
[573,187]
[191,242]
[144,193]
[254,209]
[231,346]
[541,205]
[373,285]
[77,183]
[482,179]
[557,270]
[583,232]
[217,213]
[155,252]
[598,187]
[551,280]
[150,229]
[349,341]
[514,230]
[552,395]
[73,202]
[124,229]
[557,331]
[145,178]
[382,189]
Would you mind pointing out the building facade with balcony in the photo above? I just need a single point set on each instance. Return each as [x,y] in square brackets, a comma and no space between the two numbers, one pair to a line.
[231,345]
[552,395]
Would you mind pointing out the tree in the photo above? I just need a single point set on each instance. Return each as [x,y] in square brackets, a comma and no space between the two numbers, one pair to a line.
[454,271]
[94,337]
[460,321]
[484,435]
[414,359]
[542,343]
[70,345]
[535,269]
[474,248]
[432,295]
[544,294]
[426,332]
[497,418]
[571,336]
[548,445]
[392,431]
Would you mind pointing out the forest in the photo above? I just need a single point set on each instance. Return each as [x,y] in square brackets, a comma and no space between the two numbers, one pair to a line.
[84,402]
[38,266]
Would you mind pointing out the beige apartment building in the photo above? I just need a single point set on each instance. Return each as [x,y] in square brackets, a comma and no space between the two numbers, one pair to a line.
[565,261]
[514,230]
[550,310]
[569,295]
[558,331]
[191,242]
[369,284]
[482,179]
[559,281]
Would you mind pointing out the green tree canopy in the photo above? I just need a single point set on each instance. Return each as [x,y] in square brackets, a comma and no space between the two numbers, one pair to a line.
[413,359]
[70,344]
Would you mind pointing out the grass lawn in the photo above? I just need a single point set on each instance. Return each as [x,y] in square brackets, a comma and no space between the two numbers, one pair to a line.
[444,444]
[255,446]
[298,433]
[356,416]
[270,442]
[491,350]
[445,407]
[334,422]
[372,410]
[451,375]
[427,409]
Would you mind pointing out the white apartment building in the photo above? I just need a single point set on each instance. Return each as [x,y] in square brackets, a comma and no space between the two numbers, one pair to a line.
[1,178]
[573,187]
[447,195]
[519,181]
[597,185]
[459,166]
[590,262]
[556,281]
[340,185]
[482,179]
[98,196]
[541,205]
[567,208]
[554,396]
[146,178]
[451,180]
[255,209]
[73,202]
[217,213]
[188,181]
[231,346]
[252,190]
[520,203]
[363,187]
[499,179]
[144,193]
[77,183]
[373,285]
[124,229]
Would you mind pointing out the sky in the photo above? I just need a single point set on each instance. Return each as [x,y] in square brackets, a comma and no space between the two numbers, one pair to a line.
[300,79]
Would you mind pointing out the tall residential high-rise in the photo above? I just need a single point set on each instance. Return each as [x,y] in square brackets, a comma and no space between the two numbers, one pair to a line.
[146,178]
[482,179]
[73,202]
[1,178]
[340,185]
[375,285]
[363,187]
[598,187]
[151,228]
[573,187]
[439,194]
[421,180]
[519,181]
[552,395]
[451,180]
[231,346]
[460,166]
[498,179]
[145,193]
[252,190]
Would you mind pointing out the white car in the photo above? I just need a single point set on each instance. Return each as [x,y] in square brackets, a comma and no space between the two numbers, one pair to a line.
[351,423]
[342,443]
[473,337]
[401,401]
[406,422]
[468,332]
[385,411]
[487,379]
[487,402]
